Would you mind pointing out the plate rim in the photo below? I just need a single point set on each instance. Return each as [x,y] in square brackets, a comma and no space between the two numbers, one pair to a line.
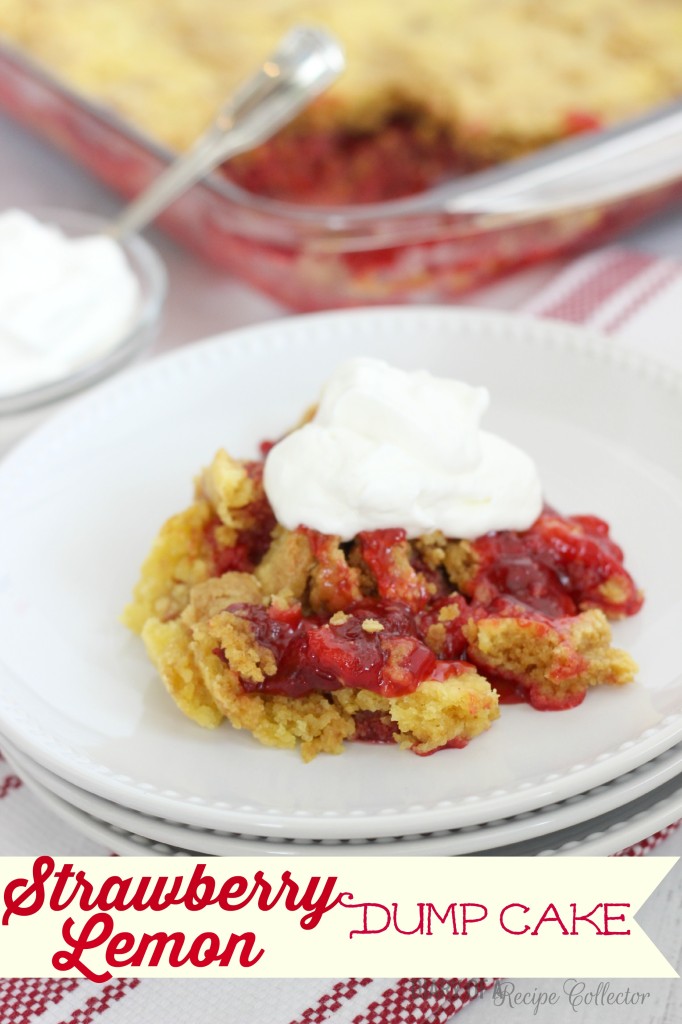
[618,837]
[640,785]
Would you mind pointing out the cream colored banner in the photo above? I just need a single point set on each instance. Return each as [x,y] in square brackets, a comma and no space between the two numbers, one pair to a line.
[324,917]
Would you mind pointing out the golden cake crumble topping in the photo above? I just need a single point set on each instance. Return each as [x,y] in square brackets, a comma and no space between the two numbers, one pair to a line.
[305,640]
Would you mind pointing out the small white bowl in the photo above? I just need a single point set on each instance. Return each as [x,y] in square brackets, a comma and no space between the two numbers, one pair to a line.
[151,276]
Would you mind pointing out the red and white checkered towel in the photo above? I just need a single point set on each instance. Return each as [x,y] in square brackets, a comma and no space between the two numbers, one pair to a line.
[296,1001]
[633,297]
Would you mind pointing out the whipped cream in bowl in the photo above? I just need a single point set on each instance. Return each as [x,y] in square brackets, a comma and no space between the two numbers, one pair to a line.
[74,304]
[389,448]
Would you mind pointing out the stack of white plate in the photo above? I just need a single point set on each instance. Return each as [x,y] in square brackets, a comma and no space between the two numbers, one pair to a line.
[88,725]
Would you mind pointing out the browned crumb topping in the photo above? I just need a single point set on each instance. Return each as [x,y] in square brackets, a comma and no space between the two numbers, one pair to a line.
[285,569]
[372,626]
[227,486]
[559,660]
[334,584]
[461,564]
[432,547]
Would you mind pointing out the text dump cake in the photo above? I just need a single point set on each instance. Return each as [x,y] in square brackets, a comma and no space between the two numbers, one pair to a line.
[282,600]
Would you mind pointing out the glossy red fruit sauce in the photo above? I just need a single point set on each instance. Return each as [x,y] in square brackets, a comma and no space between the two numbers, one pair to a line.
[557,567]
[317,655]
[549,572]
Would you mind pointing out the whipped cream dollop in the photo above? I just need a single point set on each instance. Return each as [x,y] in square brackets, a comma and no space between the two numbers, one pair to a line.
[388,448]
[63,301]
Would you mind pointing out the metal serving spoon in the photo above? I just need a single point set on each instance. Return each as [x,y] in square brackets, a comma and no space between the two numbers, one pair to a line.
[305,63]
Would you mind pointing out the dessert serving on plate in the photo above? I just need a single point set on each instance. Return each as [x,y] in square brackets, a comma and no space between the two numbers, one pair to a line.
[388,572]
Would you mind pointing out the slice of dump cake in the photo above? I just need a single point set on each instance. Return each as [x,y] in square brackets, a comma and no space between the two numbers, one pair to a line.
[387,634]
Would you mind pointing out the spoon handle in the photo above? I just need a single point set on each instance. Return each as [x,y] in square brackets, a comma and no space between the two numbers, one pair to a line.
[305,63]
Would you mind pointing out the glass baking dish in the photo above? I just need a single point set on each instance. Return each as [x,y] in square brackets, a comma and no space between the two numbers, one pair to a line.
[311,257]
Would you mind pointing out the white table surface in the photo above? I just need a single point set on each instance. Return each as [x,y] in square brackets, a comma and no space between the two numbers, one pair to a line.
[203,301]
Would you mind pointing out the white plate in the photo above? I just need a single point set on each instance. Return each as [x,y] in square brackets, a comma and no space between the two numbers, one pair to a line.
[536,825]
[83,497]
[602,836]
[609,833]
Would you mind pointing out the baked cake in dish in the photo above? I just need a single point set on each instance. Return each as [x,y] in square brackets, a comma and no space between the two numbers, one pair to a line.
[304,639]
[432,86]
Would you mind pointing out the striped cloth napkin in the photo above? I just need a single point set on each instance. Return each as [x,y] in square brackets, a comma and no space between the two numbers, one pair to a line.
[632,296]
[635,297]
